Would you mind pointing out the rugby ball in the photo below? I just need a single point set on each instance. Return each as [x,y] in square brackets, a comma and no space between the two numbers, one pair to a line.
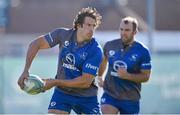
[33,85]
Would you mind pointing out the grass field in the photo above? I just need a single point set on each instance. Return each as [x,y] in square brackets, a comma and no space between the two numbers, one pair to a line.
[160,95]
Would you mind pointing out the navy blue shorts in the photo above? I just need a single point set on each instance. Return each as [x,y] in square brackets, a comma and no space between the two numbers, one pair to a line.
[124,106]
[66,102]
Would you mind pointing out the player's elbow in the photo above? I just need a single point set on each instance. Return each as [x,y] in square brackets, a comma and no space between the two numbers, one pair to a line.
[145,76]
[146,79]
[40,43]
[34,44]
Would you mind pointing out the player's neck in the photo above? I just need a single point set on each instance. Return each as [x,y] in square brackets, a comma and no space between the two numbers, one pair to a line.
[126,45]
[80,39]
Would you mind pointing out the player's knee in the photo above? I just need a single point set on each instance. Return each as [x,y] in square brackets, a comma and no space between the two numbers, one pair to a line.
[108,109]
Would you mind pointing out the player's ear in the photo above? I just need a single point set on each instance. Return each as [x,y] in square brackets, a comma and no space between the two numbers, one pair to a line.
[135,32]
[78,26]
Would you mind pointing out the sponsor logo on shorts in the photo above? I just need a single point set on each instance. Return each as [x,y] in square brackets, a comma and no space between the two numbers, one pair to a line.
[53,103]
[103,100]
[96,110]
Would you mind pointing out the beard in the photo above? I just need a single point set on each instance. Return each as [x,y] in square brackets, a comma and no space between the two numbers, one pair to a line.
[127,40]
[88,36]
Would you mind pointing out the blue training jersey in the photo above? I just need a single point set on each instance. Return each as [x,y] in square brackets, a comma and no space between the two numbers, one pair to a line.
[75,59]
[134,58]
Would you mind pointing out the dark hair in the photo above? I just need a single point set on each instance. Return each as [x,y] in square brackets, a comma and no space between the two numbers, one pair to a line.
[132,20]
[87,12]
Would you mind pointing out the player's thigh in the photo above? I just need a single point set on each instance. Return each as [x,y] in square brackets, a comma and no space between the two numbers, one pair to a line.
[87,105]
[129,107]
[59,103]
[54,111]
[109,109]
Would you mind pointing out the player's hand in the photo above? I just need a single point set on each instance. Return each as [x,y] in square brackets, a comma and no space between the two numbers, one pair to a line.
[100,81]
[21,79]
[49,83]
[122,72]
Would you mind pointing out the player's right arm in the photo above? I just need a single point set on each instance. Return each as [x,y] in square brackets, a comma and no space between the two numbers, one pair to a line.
[34,47]
[101,71]
[103,66]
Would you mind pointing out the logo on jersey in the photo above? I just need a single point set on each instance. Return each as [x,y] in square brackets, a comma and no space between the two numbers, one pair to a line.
[70,62]
[70,58]
[133,57]
[146,64]
[118,64]
[83,55]
[88,65]
[66,43]
[111,52]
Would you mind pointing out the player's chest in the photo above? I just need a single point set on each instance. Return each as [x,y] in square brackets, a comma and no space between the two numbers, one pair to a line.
[74,55]
[127,59]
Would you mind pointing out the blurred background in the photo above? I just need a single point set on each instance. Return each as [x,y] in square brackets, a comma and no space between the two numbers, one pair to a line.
[21,21]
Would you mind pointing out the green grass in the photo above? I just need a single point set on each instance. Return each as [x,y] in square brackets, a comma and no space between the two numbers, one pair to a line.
[159,95]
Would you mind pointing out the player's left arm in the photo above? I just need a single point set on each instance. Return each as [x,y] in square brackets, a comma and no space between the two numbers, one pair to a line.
[83,81]
[145,70]
[143,76]
[102,70]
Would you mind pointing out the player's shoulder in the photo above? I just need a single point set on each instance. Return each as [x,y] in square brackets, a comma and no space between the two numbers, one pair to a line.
[96,46]
[115,41]
[96,43]
[141,47]
[64,30]
[112,44]
[64,33]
